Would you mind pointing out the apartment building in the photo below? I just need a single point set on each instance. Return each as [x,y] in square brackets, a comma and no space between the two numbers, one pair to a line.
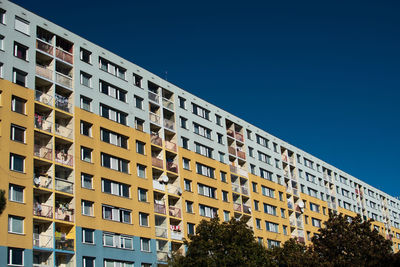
[107,164]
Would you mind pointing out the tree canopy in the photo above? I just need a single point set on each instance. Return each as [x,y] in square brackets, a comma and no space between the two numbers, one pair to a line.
[2,200]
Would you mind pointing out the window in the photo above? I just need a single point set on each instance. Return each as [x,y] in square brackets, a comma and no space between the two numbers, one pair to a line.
[141,171]
[249,135]
[115,188]
[86,79]
[269,192]
[1,64]
[266,174]
[220,138]
[87,207]
[283,213]
[188,185]
[86,103]
[16,256]
[22,25]
[112,91]
[314,207]
[19,77]
[281,196]
[114,163]
[17,133]
[264,157]
[15,225]
[143,219]
[112,68]
[258,223]
[140,147]
[203,150]
[16,193]
[308,163]
[254,186]
[88,261]
[139,123]
[87,236]
[273,243]
[202,112]
[218,120]
[116,263]
[183,122]
[190,228]
[316,222]
[251,152]
[17,162]
[262,141]
[221,156]
[201,130]
[269,209]
[182,102]
[185,142]
[207,211]
[87,180]
[226,216]
[272,227]
[145,244]
[137,80]
[113,114]
[1,42]
[142,195]
[207,191]
[256,205]
[2,16]
[225,196]
[186,163]
[223,176]
[113,138]
[138,102]
[117,241]
[20,51]
[205,170]
[189,206]
[116,214]
[284,228]
[253,169]
[86,128]
[86,56]
[86,154]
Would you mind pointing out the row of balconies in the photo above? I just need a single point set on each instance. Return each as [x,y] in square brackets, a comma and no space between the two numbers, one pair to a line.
[242,208]
[167,123]
[49,241]
[172,210]
[49,49]
[46,211]
[60,184]
[165,102]
[60,156]
[238,136]
[59,101]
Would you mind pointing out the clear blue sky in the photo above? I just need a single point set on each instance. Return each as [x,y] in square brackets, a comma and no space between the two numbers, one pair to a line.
[321,75]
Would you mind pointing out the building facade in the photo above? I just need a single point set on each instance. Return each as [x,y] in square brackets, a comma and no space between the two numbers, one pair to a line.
[106,164]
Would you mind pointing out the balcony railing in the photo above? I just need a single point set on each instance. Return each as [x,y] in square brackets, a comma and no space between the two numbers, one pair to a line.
[169,124]
[239,136]
[64,214]
[299,223]
[176,190]
[232,150]
[161,232]
[156,162]
[154,118]
[63,131]
[156,140]
[237,207]
[236,188]
[168,104]
[177,235]
[64,158]
[43,152]
[246,209]
[241,154]
[43,182]
[45,47]
[64,80]
[44,72]
[159,208]
[245,190]
[154,97]
[64,55]
[64,186]
[64,243]
[43,98]
[172,167]
[175,212]
[42,241]
[63,103]
[42,210]
[170,145]
[295,192]
[290,205]
[284,158]
[42,123]
[159,186]
[231,133]
[162,256]
[238,170]
[292,222]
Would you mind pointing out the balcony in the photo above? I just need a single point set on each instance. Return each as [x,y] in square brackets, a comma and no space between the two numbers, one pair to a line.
[241,154]
[43,182]
[43,98]
[63,243]
[42,123]
[237,170]
[232,150]
[175,212]
[64,80]
[64,56]
[43,152]
[236,188]
[172,167]
[156,140]
[162,256]
[246,209]
[42,241]
[230,133]
[161,232]
[64,214]
[237,207]
[156,162]
[44,72]
[290,205]
[159,186]
[170,145]
[63,131]
[177,235]
[176,190]
[168,104]
[64,186]
[170,125]
[239,136]
[245,190]
[45,47]
[292,222]
[154,97]
[154,118]
[295,192]
[63,103]
[299,223]
[284,158]
[64,158]
[42,210]
[159,208]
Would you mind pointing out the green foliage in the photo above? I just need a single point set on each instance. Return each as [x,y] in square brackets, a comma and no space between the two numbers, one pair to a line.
[3,201]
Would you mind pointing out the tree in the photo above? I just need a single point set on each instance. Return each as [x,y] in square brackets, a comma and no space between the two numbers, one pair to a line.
[2,200]
[344,242]
[221,245]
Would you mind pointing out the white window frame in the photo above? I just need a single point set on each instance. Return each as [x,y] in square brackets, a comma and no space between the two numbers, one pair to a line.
[12,162]
[143,222]
[84,236]
[142,242]
[10,251]
[86,204]
[140,191]
[12,188]
[13,127]
[22,25]
[11,227]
